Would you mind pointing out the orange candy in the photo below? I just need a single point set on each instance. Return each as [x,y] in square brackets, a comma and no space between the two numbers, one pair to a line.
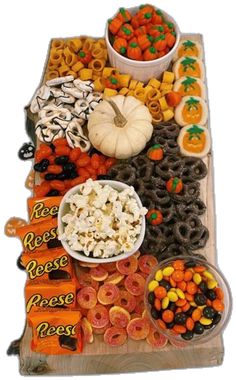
[168,316]
[177,275]
[191,287]
[160,292]
[178,265]
[179,329]
[196,314]
[218,305]
[190,324]
[188,275]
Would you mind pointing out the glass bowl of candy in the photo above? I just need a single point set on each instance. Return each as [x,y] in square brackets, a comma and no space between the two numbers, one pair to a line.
[188,299]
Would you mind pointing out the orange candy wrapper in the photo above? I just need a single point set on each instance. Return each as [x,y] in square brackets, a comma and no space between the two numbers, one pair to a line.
[39,236]
[49,294]
[42,209]
[51,264]
[56,332]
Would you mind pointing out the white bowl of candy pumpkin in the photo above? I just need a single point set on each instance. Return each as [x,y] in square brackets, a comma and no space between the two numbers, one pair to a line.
[136,41]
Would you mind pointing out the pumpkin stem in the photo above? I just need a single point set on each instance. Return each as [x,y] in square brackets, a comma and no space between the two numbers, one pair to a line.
[119,119]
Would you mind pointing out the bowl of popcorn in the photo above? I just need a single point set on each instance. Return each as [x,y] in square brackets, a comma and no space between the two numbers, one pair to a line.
[101,221]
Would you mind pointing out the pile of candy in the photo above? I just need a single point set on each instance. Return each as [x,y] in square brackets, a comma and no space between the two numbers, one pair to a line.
[62,167]
[112,301]
[185,298]
[144,36]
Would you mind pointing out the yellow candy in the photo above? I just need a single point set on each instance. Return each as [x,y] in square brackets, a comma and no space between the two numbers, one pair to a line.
[209,275]
[192,303]
[152,285]
[165,302]
[180,294]
[173,297]
[197,278]
[205,321]
[159,275]
[167,271]
[211,284]
[168,115]
[168,77]
[163,103]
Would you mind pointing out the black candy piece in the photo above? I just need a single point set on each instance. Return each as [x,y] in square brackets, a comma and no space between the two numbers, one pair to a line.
[203,287]
[198,328]
[188,335]
[216,319]
[73,174]
[61,160]
[172,306]
[180,318]
[200,299]
[26,152]
[155,313]
[68,342]
[41,166]
[50,176]
[53,193]
[151,298]
[62,176]
[69,166]
[19,263]
[190,264]
[165,284]
[170,325]
[54,243]
[190,310]
[209,312]
[211,295]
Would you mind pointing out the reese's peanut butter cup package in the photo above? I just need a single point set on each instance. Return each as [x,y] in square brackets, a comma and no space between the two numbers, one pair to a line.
[56,332]
[42,209]
[39,236]
[51,264]
[49,294]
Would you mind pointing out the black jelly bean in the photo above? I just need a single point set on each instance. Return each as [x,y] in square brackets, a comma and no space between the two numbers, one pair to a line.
[62,176]
[50,176]
[211,295]
[172,306]
[198,328]
[216,319]
[151,298]
[41,166]
[53,193]
[69,166]
[200,299]
[180,318]
[209,312]
[188,335]
[203,287]
[170,325]
[104,176]
[190,264]
[61,160]
[73,174]
[165,285]
[155,313]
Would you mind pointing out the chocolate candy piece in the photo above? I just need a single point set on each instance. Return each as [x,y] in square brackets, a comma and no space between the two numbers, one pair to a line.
[200,299]
[68,342]
[209,312]
[26,152]
[211,294]
[59,274]
[54,243]
[180,318]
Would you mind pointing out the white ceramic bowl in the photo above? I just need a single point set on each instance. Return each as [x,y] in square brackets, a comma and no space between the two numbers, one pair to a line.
[63,209]
[142,70]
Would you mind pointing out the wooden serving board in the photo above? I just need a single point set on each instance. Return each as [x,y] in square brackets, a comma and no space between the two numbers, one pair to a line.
[133,356]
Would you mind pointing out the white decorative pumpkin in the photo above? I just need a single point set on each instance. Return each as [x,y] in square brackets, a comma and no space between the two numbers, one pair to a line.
[120,126]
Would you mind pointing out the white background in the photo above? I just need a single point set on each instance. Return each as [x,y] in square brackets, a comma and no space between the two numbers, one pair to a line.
[26,28]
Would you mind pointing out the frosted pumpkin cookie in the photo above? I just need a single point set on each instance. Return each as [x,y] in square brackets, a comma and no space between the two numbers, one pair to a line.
[188,48]
[190,86]
[189,66]
[194,140]
[191,110]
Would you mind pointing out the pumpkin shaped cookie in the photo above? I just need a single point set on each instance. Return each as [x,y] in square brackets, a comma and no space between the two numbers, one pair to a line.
[13,224]
[191,110]
[120,127]
[190,86]
[194,140]
[188,48]
[189,66]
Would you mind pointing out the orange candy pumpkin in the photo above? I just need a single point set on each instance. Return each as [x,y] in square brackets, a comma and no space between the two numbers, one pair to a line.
[155,153]
[174,185]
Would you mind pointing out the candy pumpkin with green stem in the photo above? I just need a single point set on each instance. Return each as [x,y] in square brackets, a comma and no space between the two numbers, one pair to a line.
[120,45]
[174,185]
[155,153]
[154,217]
[134,51]
[126,31]
[112,82]
[124,15]
[150,54]
[85,56]
[114,25]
